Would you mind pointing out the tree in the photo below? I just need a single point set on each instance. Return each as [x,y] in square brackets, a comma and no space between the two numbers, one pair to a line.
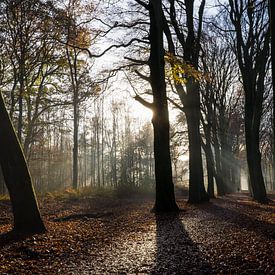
[221,112]
[76,38]
[17,177]
[189,41]
[252,50]
[272,29]
[165,197]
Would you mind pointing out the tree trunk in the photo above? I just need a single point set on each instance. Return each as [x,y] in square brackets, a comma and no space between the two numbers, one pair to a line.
[253,69]
[272,27]
[209,164]
[218,174]
[17,177]
[197,191]
[165,197]
[75,141]
[252,125]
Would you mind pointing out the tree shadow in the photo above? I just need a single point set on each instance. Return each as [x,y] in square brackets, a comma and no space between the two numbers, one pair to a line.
[244,221]
[4,221]
[176,252]
[246,200]
[12,237]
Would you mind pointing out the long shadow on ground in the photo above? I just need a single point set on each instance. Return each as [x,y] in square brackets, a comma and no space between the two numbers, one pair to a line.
[12,237]
[265,229]
[176,252]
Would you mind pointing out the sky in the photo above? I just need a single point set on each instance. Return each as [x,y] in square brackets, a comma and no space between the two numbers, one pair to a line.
[115,57]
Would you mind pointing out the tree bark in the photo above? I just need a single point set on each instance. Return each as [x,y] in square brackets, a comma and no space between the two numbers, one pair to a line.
[252,129]
[165,197]
[209,162]
[197,191]
[17,178]
[272,28]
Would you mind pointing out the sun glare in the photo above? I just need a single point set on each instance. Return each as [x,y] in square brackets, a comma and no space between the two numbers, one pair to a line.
[141,112]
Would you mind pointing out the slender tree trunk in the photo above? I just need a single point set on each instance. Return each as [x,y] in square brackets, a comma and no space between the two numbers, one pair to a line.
[209,164]
[75,141]
[20,110]
[93,157]
[22,73]
[218,173]
[165,197]
[98,151]
[17,178]
[102,142]
[225,164]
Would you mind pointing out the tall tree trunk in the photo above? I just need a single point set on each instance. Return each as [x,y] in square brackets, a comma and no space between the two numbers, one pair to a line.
[253,70]
[272,27]
[75,140]
[20,110]
[190,99]
[17,178]
[209,163]
[102,142]
[165,197]
[197,191]
[218,173]
[252,128]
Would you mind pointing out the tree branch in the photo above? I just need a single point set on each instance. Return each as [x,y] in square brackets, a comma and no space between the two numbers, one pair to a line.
[142,76]
[143,4]
[145,103]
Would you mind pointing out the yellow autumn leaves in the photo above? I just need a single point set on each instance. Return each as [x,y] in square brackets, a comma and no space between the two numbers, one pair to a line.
[180,71]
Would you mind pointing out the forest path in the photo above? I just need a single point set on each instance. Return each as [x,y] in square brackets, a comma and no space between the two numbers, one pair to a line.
[100,235]
[228,235]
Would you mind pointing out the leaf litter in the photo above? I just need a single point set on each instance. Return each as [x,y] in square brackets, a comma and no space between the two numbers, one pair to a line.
[103,235]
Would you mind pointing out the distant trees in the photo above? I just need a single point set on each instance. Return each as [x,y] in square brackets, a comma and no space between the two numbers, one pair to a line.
[221,115]
[44,66]
[78,73]
[31,61]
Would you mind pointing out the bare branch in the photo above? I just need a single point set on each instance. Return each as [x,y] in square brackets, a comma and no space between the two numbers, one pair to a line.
[175,104]
[143,4]
[137,61]
[144,102]
[142,76]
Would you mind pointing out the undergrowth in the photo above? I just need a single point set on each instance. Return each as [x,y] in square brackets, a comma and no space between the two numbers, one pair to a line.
[121,191]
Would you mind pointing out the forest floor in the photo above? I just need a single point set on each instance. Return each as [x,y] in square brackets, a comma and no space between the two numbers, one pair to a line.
[104,234]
